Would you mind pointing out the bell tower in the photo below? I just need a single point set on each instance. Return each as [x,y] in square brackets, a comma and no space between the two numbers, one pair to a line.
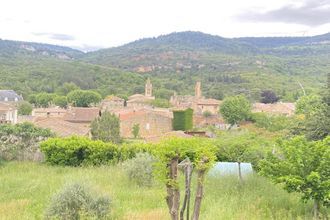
[148,88]
[198,92]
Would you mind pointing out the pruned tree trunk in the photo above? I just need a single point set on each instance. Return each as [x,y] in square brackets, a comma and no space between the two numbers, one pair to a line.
[240,172]
[186,202]
[173,193]
[200,189]
[316,209]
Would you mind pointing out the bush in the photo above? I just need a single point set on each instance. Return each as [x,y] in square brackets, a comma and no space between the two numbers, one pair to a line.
[140,169]
[76,201]
[76,151]
[24,108]
[21,141]
[271,122]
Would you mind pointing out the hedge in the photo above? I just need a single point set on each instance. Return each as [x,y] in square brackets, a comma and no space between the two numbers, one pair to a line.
[183,120]
[76,151]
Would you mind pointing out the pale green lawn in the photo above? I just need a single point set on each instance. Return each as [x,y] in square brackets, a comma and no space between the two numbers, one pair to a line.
[26,189]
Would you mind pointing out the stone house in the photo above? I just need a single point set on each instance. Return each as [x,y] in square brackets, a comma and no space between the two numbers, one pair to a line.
[198,103]
[151,122]
[49,112]
[139,100]
[8,113]
[112,102]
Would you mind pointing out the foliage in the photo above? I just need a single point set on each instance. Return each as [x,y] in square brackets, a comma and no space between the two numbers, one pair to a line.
[136,130]
[183,120]
[61,101]
[106,128]
[303,167]
[76,151]
[76,201]
[24,108]
[271,122]
[257,199]
[207,114]
[43,99]
[161,103]
[83,98]
[308,105]
[317,125]
[140,169]
[242,146]
[21,141]
[235,109]
[66,88]
[268,96]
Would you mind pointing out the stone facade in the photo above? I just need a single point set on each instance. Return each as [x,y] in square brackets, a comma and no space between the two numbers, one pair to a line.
[8,113]
[151,122]
[198,103]
[139,100]
[112,102]
[49,112]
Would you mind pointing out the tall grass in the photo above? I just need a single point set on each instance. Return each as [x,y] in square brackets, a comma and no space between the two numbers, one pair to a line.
[26,189]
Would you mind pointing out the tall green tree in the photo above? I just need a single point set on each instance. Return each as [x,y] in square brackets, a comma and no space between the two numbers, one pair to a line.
[24,108]
[304,167]
[308,105]
[106,128]
[235,109]
[61,101]
[83,98]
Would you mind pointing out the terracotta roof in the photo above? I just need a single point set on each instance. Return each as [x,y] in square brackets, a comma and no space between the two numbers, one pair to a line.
[82,114]
[129,113]
[51,110]
[63,128]
[279,108]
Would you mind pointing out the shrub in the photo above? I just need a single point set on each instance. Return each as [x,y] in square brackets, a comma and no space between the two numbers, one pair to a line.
[136,130]
[140,169]
[106,128]
[76,151]
[76,201]
[21,141]
[24,108]
[235,109]
[271,122]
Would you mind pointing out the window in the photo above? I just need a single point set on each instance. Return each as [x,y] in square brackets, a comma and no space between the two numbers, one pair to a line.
[148,126]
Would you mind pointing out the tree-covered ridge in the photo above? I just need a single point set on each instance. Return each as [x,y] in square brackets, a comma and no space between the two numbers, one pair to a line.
[174,63]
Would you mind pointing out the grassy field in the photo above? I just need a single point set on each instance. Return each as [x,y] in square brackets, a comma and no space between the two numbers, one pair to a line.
[26,189]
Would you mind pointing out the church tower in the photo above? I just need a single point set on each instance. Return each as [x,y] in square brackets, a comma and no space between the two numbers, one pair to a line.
[198,92]
[148,88]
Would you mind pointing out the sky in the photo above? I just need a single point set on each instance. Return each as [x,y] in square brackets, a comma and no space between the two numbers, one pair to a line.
[93,24]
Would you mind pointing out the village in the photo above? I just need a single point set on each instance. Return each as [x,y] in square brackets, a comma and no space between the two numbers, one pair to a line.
[154,122]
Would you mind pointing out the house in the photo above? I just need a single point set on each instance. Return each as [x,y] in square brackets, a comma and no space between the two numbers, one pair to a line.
[10,96]
[282,108]
[151,122]
[198,103]
[112,102]
[74,121]
[8,113]
[81,115]
[49,112]
[139,100]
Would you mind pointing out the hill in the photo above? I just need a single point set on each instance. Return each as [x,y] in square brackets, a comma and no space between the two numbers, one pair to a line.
[225,66]
[173,62]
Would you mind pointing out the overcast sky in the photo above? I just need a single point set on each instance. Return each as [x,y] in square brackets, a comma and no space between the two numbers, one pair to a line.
[92,24]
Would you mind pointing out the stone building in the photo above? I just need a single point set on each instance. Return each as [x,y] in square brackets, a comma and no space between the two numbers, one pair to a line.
[49,112]
[280,108]
[112,102]
[152,122]
[198,103]
[139,100]
[8,113]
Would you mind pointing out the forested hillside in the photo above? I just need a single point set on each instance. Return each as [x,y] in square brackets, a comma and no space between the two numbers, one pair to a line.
[173,62]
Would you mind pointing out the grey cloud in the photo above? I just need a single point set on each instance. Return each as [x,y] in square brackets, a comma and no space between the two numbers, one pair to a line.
[311,13]
[63,37]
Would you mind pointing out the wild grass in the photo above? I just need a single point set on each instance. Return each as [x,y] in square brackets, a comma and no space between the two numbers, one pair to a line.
[26,189]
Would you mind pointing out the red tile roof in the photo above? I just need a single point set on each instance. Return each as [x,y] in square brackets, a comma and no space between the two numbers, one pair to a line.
[82,114]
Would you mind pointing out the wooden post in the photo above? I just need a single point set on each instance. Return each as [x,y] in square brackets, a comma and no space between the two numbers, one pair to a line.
[173,193]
